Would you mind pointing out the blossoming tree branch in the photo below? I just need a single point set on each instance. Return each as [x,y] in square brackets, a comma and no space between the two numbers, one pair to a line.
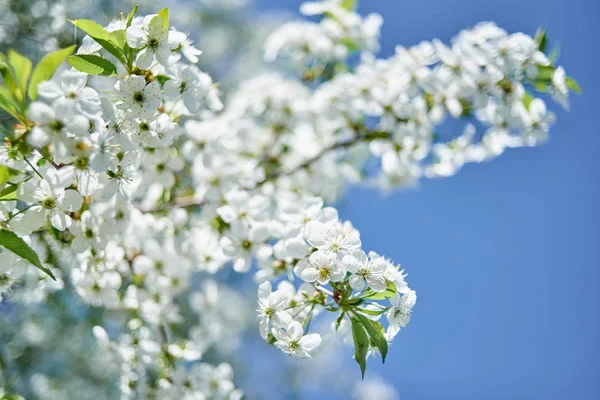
[125,175]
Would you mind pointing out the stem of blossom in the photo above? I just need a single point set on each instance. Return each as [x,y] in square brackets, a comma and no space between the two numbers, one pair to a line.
[33,168]
[308,319]
[300,310]
[188,201]
[163,333]
[322,289]
[50,160]
[20,211]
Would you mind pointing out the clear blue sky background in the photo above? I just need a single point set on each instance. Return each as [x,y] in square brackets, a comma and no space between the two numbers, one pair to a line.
[504,256]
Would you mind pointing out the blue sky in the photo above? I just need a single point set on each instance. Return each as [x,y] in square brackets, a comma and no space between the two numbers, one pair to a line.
[504,256]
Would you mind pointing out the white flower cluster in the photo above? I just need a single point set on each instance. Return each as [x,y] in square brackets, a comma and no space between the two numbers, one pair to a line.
[331,40]
[131,180]
[391,112]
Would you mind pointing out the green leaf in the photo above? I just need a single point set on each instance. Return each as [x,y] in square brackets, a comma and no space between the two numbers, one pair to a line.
[572,84]
[375,333]
[100,35]
[7,74]
[120,37]
[361,345]
[350,44]
[21,67]
[541,39]
[9,193]
[554,54]
[162,79]
[371,312]
[339,320]
[8,103]
[164,14]
[390,291]
[6,174]
[527,99]
[13,243]
[349,5]
[544,73]
[46,68]
[92,65]
[541,86]
[131,16]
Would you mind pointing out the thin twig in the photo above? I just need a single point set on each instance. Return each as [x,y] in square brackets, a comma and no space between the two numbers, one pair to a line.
[322,289]
[33,168]
[50,160]
[339,145]
[188,201]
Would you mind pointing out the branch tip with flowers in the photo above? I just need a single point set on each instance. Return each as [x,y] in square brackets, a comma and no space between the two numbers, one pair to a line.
[125,176]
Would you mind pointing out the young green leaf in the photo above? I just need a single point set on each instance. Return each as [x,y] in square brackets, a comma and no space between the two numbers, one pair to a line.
[6,173]
[541,86]
[92,65]
[9,193]
[7,74]
[339,320]
[361,345]
[371,312]
[21,67]
[527,99]
[541,39]
[101,36]
[554,54]
[131,16]
[390,291]
[120,38]
[572,84]
[162,79]
[544,73]
[349,5]
[164,14]
[8,103]
[375,333]
[46,68]
[15,244]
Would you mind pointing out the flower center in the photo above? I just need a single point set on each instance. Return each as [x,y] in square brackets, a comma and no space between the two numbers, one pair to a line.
[294,345]
[56,125]
[182,87]
[138,97]
[48,203]
[323,273]
[5,281]
[153,43]
[279,266]
[246,244]
[81,163]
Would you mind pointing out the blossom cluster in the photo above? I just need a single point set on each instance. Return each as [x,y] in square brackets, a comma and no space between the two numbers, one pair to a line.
[130,180]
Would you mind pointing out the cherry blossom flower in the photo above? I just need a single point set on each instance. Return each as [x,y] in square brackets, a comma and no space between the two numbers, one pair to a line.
[294,343]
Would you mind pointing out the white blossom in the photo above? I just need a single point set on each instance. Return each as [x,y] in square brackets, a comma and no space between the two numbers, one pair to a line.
[294,343]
